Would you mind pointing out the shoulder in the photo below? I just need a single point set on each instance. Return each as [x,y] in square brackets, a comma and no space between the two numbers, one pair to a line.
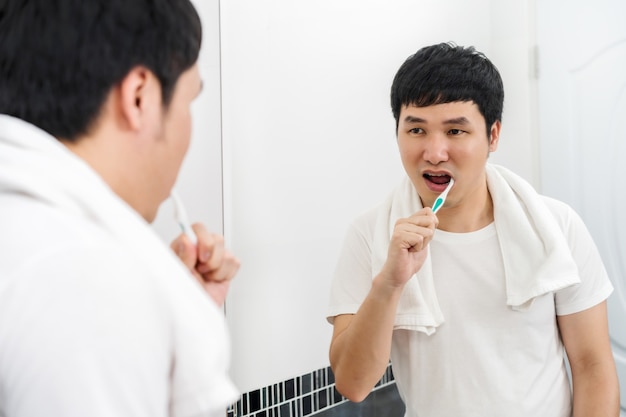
[595,285]
[365,222]
[573,227]
[33,227]
[567,218]
[557,207]
[359,235]
[62,269]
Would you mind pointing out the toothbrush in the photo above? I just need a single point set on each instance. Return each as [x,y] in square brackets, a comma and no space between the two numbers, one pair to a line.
[181,217]
[442,197]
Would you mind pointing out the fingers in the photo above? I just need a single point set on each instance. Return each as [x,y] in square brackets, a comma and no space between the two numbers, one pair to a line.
[415,232]
[215,262]
[208,260]
[407,248]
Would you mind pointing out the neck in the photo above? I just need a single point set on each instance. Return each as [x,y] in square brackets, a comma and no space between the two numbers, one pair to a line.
[108,156]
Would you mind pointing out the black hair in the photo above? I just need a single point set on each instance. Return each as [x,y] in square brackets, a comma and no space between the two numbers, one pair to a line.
[59,59]
[446,73]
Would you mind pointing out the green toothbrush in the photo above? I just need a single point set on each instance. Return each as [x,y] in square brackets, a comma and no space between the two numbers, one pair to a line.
[442,197]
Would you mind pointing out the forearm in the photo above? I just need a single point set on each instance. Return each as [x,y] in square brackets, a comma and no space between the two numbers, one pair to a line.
[360,354]
[596,391]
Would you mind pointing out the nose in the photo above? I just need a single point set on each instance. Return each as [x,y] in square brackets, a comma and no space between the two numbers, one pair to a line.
[436,149]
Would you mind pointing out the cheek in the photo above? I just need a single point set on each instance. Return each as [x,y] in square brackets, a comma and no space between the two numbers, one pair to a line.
[177,141]
[409,149]
[185,140]
[182,133]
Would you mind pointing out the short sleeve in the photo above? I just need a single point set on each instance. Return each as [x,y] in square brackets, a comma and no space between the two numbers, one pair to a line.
[595,285]
[352,280]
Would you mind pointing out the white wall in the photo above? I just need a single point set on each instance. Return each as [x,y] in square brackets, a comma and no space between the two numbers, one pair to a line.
[513,41]
[309,143]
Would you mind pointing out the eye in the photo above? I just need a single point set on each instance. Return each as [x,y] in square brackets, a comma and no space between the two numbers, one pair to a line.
[455,132]
[416,131]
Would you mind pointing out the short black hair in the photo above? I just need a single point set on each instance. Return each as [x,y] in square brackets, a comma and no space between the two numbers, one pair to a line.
[59,59]
[446,73]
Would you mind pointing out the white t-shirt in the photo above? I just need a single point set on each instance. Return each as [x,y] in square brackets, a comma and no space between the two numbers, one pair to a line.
[486,359]
[95,322]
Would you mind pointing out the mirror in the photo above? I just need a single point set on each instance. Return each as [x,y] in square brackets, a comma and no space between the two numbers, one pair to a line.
[309,144]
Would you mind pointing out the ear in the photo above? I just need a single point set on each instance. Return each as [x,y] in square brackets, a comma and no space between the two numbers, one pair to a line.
[494,136]
[139,94]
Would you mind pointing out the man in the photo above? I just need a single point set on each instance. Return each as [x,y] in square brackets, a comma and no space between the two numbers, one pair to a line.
[97,316]
[475,304]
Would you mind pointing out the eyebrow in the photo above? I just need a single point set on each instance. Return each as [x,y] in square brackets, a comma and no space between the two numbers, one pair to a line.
[455,121]
[413,119]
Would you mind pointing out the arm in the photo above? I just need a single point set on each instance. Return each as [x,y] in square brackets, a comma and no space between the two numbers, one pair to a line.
[209,261]
[586,339]
[361,343]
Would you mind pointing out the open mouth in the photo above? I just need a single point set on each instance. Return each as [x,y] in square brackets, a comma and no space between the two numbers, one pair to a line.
[436,182]
[439,179]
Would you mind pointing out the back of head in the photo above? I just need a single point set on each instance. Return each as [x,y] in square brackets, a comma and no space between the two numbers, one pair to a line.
[446,73]
[59,59]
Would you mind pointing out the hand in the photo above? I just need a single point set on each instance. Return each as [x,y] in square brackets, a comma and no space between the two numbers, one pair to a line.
[209,261]
[408,247]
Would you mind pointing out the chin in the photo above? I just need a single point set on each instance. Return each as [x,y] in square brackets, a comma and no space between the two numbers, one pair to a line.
[149,217]
[150,213]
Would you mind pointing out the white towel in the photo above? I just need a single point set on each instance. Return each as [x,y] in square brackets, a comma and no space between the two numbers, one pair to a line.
[535,254]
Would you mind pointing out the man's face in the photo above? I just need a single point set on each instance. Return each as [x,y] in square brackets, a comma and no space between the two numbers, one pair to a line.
[446,141]
[172,138]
